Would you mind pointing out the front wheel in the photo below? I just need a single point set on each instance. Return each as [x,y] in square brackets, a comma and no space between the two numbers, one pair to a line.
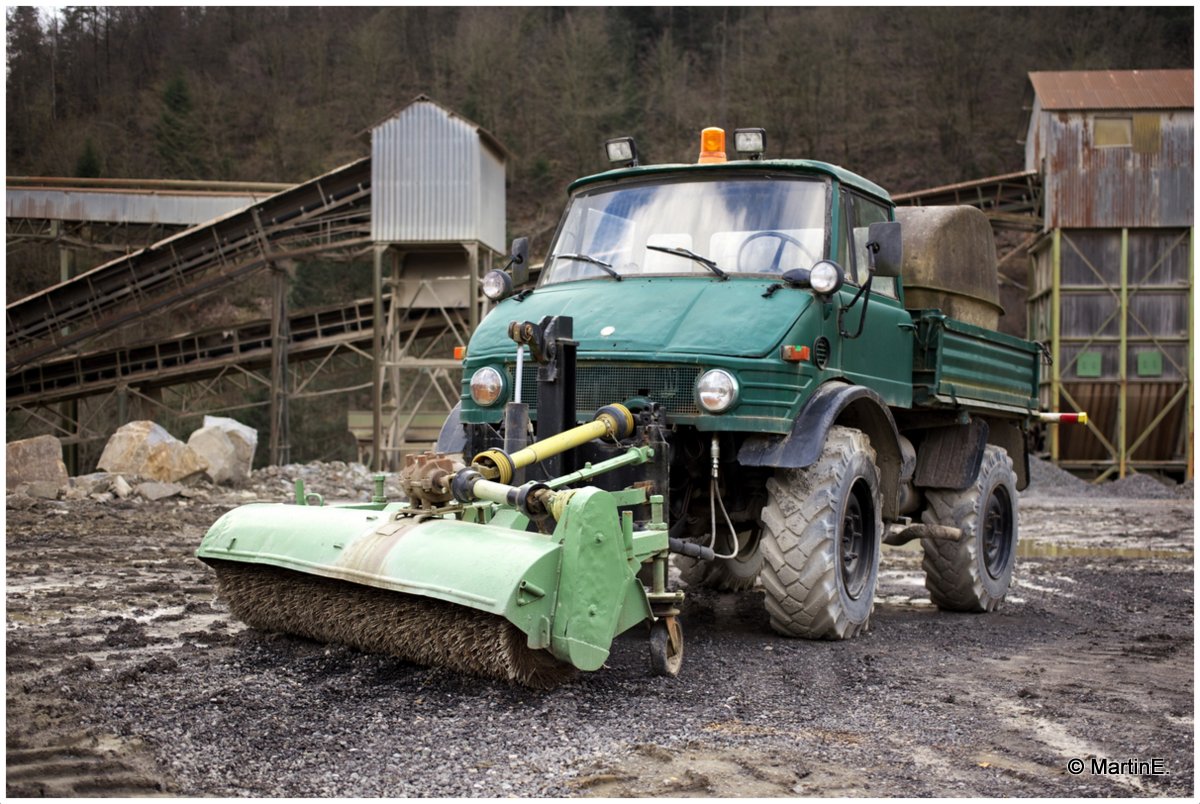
[974,574]
[821,531]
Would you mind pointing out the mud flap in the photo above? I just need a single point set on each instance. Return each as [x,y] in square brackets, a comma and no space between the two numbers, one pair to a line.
[950,457]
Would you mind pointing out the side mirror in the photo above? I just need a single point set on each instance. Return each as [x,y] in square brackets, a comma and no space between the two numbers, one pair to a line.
[520,261]
[885,247]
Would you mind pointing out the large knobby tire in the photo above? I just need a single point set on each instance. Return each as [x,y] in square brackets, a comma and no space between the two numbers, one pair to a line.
[821,531]
[726,574]
[974,574]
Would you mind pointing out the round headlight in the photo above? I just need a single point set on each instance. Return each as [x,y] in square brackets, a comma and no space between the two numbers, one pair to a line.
[486,386]
[825,277]
[496,285]
[717,390]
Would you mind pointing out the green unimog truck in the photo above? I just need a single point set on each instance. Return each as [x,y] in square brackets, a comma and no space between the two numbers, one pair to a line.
[758,369]
[817,370]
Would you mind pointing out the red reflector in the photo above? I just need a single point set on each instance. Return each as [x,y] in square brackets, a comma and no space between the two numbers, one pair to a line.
[460,352]
[794,354]
[1064,418]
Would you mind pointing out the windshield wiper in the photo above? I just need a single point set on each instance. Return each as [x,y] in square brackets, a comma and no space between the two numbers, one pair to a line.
[604,266]
[691,255]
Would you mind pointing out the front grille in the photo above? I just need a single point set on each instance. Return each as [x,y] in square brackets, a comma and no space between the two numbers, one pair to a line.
[599,384]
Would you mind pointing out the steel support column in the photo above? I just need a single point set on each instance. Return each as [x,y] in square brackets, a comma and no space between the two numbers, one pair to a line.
[122,405]
[69,410]
[1123,360]
[1055,336]
[280,442]
[1191,356]
[377,361]
[473,290]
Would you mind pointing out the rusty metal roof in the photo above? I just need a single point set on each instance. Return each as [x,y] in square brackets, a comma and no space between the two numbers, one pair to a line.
[1115,89]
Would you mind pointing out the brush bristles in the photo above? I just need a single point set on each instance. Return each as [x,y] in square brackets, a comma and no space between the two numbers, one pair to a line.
[421,630]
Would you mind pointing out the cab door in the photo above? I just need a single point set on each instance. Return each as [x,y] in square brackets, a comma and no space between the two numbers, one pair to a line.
[875,350]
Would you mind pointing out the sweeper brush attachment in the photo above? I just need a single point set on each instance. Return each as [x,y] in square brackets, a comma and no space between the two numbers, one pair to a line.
[420,630]
[462,579]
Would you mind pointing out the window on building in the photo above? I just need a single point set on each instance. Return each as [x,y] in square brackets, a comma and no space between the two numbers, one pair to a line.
[1113,132]
[1147,133]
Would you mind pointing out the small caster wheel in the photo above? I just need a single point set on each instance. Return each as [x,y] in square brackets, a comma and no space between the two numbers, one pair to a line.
[666,647]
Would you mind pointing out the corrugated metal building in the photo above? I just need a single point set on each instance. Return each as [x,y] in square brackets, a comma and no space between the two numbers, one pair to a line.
[1111,284]
[435,177]
[437,202]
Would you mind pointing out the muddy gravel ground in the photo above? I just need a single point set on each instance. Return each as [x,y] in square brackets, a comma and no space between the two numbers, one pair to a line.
[126,677]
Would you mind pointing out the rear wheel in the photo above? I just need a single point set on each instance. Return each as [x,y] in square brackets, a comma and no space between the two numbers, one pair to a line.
[974,574]
[821,531]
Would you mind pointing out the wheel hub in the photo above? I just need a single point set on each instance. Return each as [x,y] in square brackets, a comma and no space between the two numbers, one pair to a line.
[856,544]
[997,529]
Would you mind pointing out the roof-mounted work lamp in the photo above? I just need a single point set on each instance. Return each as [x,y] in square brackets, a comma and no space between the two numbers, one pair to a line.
[750,142]
[622,150]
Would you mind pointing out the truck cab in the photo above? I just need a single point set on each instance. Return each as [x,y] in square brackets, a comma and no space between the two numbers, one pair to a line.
[673,272]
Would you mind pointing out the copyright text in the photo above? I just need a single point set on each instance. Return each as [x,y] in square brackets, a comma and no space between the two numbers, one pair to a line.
[1103,766]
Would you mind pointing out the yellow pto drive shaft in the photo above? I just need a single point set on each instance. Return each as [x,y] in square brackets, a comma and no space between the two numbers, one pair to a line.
[614,421]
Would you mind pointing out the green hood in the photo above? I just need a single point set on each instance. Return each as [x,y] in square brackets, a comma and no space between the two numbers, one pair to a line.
[673,315]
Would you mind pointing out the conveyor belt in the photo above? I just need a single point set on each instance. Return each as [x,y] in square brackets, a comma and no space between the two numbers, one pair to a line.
[200,355]
[130,201]
[328,213]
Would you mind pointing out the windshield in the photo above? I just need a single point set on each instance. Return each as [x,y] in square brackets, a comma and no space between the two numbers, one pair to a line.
[761,225]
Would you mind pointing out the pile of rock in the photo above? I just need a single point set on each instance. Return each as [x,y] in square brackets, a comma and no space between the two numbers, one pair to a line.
[1048,480]
[222,451]
[333,480]
[141,461]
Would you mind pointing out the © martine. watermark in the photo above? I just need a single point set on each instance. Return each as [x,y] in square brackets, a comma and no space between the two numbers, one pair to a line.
[1103,766]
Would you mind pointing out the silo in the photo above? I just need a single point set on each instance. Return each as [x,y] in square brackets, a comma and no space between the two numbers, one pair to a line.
[437,201]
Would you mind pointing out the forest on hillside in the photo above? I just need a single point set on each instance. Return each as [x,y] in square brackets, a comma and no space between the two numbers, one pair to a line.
[912,97]
[909,97]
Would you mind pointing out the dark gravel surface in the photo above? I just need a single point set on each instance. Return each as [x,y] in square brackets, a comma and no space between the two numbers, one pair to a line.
[126,677]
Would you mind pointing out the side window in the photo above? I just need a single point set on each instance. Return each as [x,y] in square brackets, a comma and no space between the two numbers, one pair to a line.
[863,213]
[843,244]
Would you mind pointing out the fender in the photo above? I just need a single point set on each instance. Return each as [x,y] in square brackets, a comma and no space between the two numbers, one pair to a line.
[834,403]
[453,436]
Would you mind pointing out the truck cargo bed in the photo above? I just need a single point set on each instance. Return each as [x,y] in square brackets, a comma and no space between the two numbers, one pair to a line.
[959,364]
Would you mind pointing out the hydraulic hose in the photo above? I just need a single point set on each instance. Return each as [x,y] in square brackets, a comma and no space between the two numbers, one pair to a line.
[690,549]
[714,498]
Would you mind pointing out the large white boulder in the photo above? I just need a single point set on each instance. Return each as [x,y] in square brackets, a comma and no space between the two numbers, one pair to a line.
[36,460]
[145,449]
[227,447]
[215,448]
